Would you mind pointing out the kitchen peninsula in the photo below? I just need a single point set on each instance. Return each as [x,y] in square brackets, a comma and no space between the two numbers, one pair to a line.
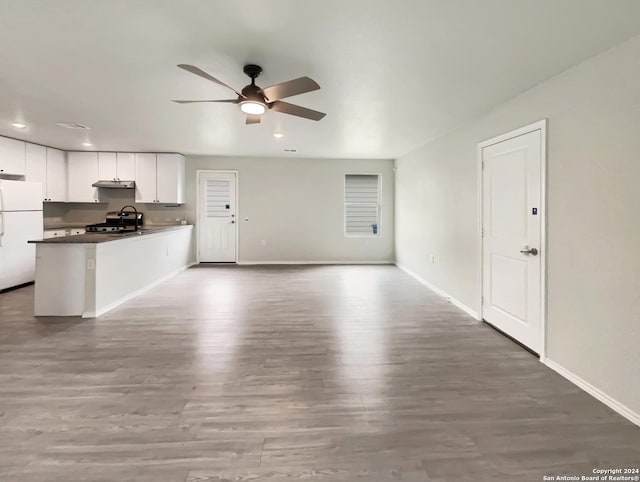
[88,275]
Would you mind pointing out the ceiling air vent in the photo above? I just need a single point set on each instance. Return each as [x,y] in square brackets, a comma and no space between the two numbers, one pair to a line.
[72,125]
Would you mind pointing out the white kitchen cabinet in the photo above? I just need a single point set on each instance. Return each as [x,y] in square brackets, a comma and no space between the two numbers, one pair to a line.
[56,175]
[82,173]
[126,162]
[160,178]
[54,233]
[12,156]
[145,178]
[48,167]
[170,178]
[60,233]
[120,166]
[107,166]
[36,166]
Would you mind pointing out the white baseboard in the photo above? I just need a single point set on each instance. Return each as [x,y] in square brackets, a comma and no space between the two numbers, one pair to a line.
[312,262]
[130,296]
[450,298]
[613,404]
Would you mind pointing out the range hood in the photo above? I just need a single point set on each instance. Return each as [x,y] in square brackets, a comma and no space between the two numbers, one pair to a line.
[111,184]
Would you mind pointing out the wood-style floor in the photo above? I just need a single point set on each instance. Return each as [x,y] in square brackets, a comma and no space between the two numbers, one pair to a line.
[326,373]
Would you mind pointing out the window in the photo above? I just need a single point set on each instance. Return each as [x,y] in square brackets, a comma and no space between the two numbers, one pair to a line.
[361,204]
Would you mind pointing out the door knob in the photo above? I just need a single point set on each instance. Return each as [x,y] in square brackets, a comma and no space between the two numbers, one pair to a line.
[531,251]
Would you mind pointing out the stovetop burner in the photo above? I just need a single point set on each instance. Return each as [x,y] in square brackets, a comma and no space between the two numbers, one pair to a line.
[118,222]
[109,228]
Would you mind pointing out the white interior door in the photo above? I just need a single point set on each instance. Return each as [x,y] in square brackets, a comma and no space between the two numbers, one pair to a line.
[217,217]
[512,283]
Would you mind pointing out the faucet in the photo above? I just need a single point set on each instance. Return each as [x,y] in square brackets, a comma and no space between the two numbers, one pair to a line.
[123,213]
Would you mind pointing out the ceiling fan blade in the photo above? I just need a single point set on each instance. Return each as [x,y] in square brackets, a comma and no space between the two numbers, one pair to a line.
[296,110]
[195,70]
[253,119]
[230,101]
[290,88]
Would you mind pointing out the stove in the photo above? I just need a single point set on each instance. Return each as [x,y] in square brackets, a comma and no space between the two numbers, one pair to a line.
[118,222]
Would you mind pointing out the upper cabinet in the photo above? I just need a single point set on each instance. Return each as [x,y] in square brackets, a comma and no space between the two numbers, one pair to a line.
[69,176]
[118,166]
[107,166]
[83,172]
[12,156]
[126,166]
[146,178]
[160,178]
[36,166]
[47,166]
[170,178]
[56,175]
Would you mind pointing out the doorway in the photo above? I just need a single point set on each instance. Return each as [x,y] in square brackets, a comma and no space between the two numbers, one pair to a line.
[217,216]
[512,233]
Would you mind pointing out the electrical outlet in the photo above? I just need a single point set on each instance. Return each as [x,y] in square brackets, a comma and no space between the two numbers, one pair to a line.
[433,259]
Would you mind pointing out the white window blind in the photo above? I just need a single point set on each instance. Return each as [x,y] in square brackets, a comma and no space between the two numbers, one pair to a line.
[361,205]
[218,196]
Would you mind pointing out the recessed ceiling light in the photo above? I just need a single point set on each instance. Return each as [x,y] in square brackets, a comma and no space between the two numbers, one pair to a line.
[18,125]
[87,144]
[278,135]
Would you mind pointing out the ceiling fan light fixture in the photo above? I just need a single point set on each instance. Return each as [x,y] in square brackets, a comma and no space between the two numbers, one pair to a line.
[255,101]
[253,107]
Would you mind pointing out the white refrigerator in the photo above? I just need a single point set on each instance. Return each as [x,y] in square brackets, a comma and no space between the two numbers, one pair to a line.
[20,222]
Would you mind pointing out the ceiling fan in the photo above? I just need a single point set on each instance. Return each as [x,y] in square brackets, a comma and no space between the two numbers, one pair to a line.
[255,101]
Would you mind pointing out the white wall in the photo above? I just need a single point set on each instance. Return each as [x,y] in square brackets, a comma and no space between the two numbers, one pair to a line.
[593,214]
[296,205]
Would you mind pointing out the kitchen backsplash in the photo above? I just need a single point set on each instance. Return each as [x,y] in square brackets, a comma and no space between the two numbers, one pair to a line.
[80,214]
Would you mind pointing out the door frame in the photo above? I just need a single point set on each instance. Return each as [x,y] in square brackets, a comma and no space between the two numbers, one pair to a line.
[536,126]
[199,172]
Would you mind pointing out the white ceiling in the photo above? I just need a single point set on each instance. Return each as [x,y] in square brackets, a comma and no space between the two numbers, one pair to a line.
[394,74]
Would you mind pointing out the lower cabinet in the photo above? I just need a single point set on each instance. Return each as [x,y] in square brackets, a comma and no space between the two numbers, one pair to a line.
[61,233]
[55,233]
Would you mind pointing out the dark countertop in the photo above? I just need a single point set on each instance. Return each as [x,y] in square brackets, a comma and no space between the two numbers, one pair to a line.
[95,238]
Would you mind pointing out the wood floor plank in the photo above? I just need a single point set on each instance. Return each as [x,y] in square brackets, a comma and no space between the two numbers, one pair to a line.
[311,373]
